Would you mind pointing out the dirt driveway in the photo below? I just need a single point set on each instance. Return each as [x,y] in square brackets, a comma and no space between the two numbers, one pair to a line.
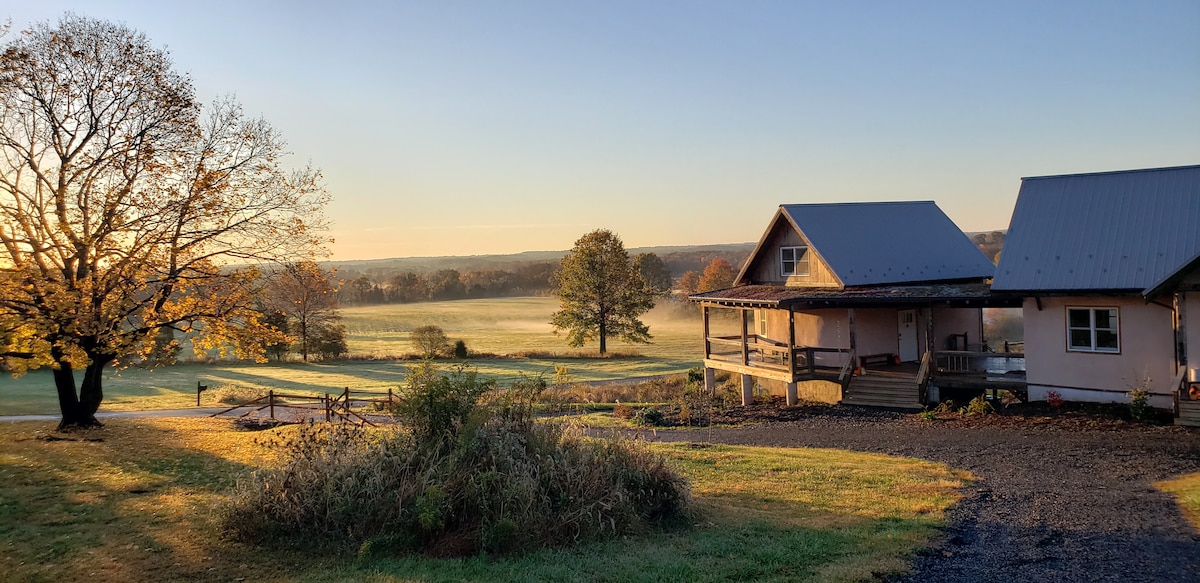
[1051,503]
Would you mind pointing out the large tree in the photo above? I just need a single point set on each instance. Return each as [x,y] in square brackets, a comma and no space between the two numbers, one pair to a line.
[654,273]
[602,294]
[123,207]
[719,274]
[307,296]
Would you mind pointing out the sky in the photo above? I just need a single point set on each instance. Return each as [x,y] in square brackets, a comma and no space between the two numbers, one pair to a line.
[478,127]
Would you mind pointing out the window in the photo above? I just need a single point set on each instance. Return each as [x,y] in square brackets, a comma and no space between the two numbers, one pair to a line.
[793,261]
[1093,330]
[761,318]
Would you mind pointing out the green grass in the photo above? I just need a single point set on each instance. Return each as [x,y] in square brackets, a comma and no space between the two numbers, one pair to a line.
[1187,492]
[499,326]
[142,505]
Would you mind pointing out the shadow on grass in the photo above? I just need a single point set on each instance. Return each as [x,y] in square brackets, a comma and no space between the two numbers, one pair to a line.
[136,500]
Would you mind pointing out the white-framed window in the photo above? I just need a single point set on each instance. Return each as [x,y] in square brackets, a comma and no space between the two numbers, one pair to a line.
[760,316]
[1093,330]
[793,261]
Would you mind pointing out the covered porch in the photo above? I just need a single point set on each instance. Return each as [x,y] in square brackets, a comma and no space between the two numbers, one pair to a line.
[856,339]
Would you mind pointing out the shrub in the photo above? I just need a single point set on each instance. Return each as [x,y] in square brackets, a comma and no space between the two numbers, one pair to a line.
[928,415]
[1054,399]
[460,349]
[1139,402]
[481,477]
[978,406]
[649,417]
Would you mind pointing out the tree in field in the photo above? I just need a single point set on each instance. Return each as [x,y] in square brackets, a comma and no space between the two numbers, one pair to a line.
[654,273]
[719,274]
[429,340]
[123,208]
[602,294]
[689,283]
[307,295]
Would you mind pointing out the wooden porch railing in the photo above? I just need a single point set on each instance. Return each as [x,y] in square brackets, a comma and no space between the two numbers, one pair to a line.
[762,352]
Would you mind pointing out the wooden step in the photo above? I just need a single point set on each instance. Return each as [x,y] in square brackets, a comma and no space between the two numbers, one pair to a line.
[1189,414]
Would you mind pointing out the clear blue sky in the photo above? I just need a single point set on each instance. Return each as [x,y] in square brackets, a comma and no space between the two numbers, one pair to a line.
[479,127]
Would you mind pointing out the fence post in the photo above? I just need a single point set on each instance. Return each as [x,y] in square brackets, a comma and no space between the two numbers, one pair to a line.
[389,396]
[271,402]
[346,395]
[327,408]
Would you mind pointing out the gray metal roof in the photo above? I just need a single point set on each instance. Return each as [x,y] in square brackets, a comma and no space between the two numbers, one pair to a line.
[875,243]
[1106,231]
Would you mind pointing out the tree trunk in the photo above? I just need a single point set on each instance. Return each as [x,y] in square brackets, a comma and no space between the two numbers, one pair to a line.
[603,336]
[79,409]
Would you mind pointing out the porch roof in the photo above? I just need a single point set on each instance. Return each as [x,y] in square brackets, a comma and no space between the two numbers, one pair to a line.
[969,294]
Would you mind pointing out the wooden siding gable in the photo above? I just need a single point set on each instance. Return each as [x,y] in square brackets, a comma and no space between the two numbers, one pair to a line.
[763,264]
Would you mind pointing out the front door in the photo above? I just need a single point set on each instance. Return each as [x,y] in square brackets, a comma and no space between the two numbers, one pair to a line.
[907,323]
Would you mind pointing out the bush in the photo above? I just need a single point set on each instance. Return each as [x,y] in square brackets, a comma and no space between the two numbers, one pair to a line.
[1054,399]
[329,342]
[1139,402]
[479,475]
[650,417]
[460,349]
[978,406]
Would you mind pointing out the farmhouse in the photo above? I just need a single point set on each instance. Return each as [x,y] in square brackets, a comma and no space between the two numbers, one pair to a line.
[1109,265]
[860,303]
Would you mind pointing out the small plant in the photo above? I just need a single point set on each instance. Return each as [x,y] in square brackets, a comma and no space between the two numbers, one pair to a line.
[928,415]
[1139,402]
[1054,399]
[945,407]
[649,417]
[978,406]
[623,411]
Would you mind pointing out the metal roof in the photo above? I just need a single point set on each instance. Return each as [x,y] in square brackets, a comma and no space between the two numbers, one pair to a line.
[1109,231]
[778,296]
[874,243]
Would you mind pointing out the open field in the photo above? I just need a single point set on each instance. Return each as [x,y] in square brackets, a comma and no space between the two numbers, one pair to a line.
[140,500]
[498,326]
[509,326]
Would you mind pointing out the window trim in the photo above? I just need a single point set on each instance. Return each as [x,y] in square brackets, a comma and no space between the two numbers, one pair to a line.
[795,261]
[1092,329]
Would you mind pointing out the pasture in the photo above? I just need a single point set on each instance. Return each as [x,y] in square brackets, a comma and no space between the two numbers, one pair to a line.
[506,326]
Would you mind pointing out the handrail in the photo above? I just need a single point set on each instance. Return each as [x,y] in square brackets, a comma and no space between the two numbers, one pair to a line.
[846,367]
[923,376]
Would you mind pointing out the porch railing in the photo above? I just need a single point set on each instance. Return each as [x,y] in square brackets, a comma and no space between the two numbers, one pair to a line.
[988,364]
[762,352]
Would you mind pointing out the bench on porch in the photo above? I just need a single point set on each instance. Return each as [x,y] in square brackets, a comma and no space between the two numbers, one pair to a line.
[883,358]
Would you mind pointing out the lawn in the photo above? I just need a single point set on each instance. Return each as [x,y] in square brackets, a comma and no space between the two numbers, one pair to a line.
[139,500]
[499,326]
[1186,490]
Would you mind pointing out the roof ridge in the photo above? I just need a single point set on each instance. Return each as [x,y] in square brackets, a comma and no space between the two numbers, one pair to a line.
[1105,172]
[859,203]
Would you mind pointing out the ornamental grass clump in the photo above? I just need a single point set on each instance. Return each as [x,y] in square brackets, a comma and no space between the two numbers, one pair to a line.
[470,471]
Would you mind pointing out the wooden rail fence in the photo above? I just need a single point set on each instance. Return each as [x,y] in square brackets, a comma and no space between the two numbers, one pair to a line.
[339,407]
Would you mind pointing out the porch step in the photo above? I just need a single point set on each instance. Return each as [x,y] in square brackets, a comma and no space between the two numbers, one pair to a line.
[1189,414]
[881,391]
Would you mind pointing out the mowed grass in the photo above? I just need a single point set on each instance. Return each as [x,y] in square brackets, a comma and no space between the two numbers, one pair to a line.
[499,326]
[139,500]
[1186,490]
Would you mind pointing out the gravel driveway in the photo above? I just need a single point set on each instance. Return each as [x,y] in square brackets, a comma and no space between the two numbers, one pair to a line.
[1050,504]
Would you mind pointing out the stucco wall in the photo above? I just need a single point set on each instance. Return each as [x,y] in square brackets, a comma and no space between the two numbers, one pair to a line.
[947,321]
[1191,306]
[1146,351]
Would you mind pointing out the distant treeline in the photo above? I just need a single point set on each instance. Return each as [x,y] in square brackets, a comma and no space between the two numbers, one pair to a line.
[990,243]
[381,283]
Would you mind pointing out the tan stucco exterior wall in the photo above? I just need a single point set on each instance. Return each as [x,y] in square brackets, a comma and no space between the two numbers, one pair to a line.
[1191,306]
[1146,343]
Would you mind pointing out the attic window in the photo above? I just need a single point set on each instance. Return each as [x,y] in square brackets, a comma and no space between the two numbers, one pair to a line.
[793,261]
[1093,330]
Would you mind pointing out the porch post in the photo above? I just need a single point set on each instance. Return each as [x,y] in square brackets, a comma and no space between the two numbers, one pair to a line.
[745,340]
[930,345]
[791,394]
[792,343]
[747,389]
[850,318]
[710,380]
[707,345]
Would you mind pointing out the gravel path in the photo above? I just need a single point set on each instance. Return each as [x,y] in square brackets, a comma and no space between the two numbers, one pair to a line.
[1049,504]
